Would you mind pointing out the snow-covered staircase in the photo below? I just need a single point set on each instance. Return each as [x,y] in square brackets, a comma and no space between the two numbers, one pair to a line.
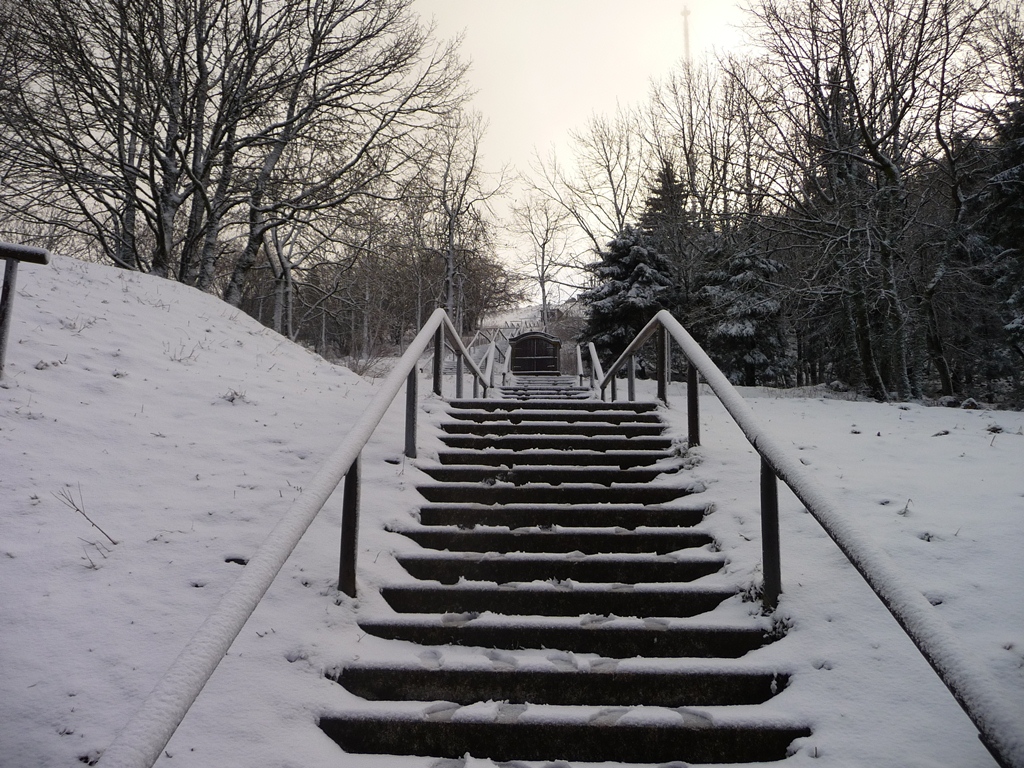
[545,386]
[564,599]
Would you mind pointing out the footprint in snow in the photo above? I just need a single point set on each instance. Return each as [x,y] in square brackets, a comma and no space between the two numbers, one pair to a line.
[502,660]
[441,712]
[604,665]
[564,661]
[430,659]
[458,619]
[695,716]
[608,716]
[509,713]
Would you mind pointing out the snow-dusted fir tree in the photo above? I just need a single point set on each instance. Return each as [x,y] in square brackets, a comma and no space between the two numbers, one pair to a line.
[670,227]
[632,282]
[1006,219]
[744,330]
[999,206]
[664,218]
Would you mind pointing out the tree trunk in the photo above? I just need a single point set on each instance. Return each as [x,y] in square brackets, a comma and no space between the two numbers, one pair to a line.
[861,328]
[233,291]
[933,343]
[211,246]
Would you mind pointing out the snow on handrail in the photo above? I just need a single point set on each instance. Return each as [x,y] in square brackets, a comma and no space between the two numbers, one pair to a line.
[595,364]
[492,349]
[141,741]
[971,684]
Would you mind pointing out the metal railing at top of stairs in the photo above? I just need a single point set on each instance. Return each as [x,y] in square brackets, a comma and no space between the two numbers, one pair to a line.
[596,372]
[969,682]
[141,741]
[489,359]
[497,355]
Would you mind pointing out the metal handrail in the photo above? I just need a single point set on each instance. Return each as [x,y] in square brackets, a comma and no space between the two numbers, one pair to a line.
[494,355]
[489,357]
[596,372]
[971,685]
[142,740]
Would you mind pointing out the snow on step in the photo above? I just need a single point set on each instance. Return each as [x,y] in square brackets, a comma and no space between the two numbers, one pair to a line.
[565,601]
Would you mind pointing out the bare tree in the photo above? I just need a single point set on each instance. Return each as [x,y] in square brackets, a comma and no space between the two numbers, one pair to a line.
[687,129]
[544,226]
[172,134]
[460,188]
[855,89]
[602,190]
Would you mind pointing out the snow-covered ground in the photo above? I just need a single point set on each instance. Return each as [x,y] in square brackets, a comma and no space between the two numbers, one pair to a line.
[184,430]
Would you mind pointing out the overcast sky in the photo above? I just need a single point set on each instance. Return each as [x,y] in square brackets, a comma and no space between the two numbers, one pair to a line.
[542,67]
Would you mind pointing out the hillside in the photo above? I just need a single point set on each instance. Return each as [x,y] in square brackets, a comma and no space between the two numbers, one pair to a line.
[184,430]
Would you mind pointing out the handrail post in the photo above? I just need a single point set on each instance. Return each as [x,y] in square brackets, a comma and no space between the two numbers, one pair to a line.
[770,557]
[615,388]
[7,307]
[458,374]
[349,530]
[663,364]
[631,379]
[579,366]
[692,405]
[438,359]
[11,254]
[411,396]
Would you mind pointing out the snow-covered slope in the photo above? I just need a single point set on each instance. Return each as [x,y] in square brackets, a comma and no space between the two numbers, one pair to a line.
[184,430]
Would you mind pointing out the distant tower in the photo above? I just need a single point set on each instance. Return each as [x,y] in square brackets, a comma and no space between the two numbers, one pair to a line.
[686,34]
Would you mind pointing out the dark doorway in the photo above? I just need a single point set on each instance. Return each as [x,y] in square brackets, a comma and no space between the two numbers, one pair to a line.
[535,352]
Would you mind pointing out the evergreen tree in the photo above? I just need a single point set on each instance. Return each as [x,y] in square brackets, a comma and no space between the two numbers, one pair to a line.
[744,332]
[664,217]
[670,229]
[1004,219]
[632,283]
[998,208]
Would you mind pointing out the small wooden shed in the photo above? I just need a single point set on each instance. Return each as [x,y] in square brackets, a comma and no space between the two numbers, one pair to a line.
[535,352]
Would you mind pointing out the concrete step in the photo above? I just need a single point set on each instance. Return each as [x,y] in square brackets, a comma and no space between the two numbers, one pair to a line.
[588,429]
[548,527]
[629,516]
[612,639]
[526,397]
[554,475]
[703,687]
[568,493]
[588,541]
[557,415]
[449,568]
[692,738]
[557,442]
[621,459]
[544,390]
[640,406]
[543,379]
[562,383]
[546,600]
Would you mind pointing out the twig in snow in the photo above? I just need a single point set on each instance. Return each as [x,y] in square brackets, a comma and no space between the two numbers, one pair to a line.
[67,499]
